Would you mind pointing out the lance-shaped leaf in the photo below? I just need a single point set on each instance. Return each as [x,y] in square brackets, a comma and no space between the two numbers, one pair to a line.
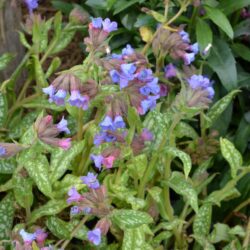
[202,220]
[125,218]
[61,159]
[185,158]
[217,109]
[52,207]
[38,168]
[183,187]
[23,190]
[5,59]
[134,239]
[3,109]
[58,227]
[6,215]
[40,76]
[232,155]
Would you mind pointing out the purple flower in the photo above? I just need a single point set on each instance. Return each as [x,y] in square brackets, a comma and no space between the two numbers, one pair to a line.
[211,92]
[64,143]
[145,75]
[41,236]
[50,91]
[128,68]
[198,81]
[2,151]
[27,237]
[116,56]
[97,23]
[76,99]
[74,196]
[145,90]
[62,126]
[103,137]
[185,36]
[189,58]
[97,160]
[31,4]
[170,71]
[86,210]
[59,97]
[75,210]
[91,180]
[109,26]
[94,236]
[153,85]
[148,103]
[195,48]
[118,122]
[107,123]
[128,50]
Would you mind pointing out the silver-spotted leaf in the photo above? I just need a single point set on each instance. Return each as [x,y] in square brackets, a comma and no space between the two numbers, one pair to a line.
[7,166]
[61,160]
[6,215]
[3,109]
[232,155]
[58,227]
[126,218]
[183,187]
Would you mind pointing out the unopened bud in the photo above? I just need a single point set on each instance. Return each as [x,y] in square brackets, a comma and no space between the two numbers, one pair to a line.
[9,149]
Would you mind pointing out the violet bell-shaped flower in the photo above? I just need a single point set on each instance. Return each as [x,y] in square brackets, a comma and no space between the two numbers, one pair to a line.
[91,181]
[109,26]
[94,236]
[62,126]
[74,196]
[28,238]
[41,236]
[170,71]
[31,5]
[109,124]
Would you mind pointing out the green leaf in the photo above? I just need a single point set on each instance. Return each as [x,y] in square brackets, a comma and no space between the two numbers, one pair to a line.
[7,166]
[185,130]
[230,6]
[96,4]
[122,5]
[61,160]
[17,129]
[38,168]
[23,191]
[55,64]
[232,155]
[219,19]
[222,61]
[202,221]
[5,59]
[185,158]
[137,166]
[134,119]
[217,109]
[52,207]
[183,187]
[242,51]
[204,34]
[242,28]
[3,109]
[220,233]
[40,76]
[58,227]
[6,216]
[66,37]
[23,40]
[134,239]
[125,218]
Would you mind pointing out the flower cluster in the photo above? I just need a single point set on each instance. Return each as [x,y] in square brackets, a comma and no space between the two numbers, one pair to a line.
[80,94]
[99,30]
[39,236]
[47,132]
[93,202]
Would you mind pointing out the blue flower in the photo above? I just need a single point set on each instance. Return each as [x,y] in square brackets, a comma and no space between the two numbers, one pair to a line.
[170,71]
[118,122]
[145,75]
[189,58]
[211,92]
[91,181]
[76,99]
[109,26]
[62,126]
[97,160]
[75,210]
[195,48]
[128,50]
[185,36]
[145,90]
[59,97]
[28,238]
[153,85]
[74,196]
[97,22]
[128,69]
[31,4]
[94,236]
[149,103]
[2,151]
[103,137]
[50,91]
[107,123]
